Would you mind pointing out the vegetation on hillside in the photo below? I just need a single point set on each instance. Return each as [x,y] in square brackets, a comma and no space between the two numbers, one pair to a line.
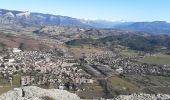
[149,43]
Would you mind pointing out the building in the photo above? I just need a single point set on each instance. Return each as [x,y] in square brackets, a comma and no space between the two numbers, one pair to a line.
[26,80]
[16,50]
[119,70]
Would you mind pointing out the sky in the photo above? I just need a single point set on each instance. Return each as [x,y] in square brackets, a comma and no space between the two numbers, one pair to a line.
[112,10]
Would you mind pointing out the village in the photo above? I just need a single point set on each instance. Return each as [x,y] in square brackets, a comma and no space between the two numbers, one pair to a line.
[50,69]
[116,63]
[43,69]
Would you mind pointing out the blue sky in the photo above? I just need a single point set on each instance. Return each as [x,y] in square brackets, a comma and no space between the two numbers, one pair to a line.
[114,10]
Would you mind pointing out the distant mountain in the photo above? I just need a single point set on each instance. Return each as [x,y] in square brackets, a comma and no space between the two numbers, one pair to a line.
[102,23]
[11,17]
[156,27]
[26,19]
[106,24]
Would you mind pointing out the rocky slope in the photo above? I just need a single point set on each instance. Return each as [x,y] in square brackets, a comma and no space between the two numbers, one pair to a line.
[143,96]
[36,93]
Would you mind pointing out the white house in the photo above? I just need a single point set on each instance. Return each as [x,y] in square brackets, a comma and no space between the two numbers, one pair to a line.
[11,60]
[16,50]
[1,57]
[119,70]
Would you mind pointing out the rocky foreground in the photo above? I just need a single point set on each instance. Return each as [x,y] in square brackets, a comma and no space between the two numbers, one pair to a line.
[143,96]
[36,93]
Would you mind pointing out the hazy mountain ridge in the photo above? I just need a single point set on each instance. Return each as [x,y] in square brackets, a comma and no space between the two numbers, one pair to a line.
[37,19]
[26,19]
[159,27]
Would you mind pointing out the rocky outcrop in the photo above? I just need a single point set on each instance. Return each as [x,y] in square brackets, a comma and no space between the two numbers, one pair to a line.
[143,96]
[36,93]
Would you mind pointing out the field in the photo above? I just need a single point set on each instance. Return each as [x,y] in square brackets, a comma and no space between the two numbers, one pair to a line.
[129,53]
[6,87]
[79,51]
[156,59]
[119,84]
[150,84]
[24,42]
[91,90]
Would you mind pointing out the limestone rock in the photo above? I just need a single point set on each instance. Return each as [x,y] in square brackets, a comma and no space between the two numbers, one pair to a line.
[36,93]
[143,96]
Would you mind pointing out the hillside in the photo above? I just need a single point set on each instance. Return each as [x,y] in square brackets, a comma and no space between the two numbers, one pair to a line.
[94,59]
[24,19]
[155,27]
[149,43]
[36,93]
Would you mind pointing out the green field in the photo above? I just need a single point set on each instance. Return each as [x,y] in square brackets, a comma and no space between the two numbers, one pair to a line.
[91,90]
[79,51]
[119,84]
[129,53]
[156,59]
[4,87]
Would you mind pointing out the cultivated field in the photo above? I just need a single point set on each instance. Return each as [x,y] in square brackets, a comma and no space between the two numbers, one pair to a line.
[6,86]
[156,59]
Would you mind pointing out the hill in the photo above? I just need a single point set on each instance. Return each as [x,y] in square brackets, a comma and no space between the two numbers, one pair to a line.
[156,27]
[28,19]
[24,19]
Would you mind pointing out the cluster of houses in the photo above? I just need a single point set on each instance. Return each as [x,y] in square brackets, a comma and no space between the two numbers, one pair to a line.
[45,68]
[39,68]
[125,65]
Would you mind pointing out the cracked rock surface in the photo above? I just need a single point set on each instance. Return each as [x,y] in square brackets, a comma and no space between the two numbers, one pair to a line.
[143,96]
[36,93]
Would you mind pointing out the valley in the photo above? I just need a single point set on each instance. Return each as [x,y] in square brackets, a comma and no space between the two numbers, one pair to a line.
[90,62]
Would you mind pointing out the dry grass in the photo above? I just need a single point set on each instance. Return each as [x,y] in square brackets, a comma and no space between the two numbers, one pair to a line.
[122,85]
[156,59]
[15,41]
[129,53]
[91,90]
[79,51]
[6,87]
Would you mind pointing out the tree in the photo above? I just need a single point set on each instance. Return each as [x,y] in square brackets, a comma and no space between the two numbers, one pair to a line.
[21,46]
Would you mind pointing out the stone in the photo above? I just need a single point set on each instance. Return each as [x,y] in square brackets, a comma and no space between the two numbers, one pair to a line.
[36,93]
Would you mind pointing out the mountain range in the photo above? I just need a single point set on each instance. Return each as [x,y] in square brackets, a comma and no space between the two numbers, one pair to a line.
[161,27]
[27,19]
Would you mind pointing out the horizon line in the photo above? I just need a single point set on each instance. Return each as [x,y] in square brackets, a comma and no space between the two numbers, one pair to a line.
[86,19]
